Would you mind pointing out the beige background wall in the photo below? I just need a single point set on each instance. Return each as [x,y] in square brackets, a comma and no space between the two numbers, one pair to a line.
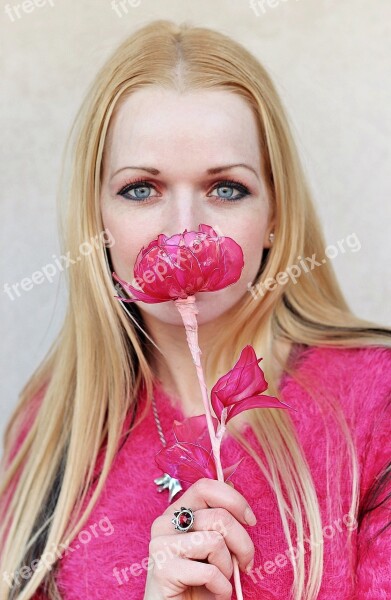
[330,61]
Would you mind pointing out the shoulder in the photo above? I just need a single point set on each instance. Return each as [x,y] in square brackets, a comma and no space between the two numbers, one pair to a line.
[356,381]
[360,377]
[340,358]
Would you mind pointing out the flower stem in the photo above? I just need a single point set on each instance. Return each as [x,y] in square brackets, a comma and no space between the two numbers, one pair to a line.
[188,311]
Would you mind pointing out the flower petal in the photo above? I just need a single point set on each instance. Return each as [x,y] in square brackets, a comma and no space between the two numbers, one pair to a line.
[262,401]
[229,471]
[138,295]
[245,379]
[194,429]
[180,463]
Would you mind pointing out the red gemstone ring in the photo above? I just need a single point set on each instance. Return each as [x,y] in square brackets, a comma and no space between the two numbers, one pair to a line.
[183,519]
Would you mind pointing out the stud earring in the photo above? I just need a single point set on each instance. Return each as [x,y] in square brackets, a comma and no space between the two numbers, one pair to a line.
[271,237]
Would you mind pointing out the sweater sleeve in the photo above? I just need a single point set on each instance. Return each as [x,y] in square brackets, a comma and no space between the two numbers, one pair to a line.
[373,570]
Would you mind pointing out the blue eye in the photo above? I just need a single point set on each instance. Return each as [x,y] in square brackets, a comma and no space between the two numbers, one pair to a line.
[227,187]
[141,191]
[140,188]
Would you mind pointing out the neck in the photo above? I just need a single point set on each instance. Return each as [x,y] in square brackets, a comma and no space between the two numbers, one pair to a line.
[174,365]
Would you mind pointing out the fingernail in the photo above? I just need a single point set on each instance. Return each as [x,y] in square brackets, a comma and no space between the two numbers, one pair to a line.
[249,566]
[249,516]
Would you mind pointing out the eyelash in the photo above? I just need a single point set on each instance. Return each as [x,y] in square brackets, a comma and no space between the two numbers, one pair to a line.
[135,183]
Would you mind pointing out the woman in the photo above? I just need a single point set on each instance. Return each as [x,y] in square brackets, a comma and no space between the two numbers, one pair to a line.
[183,126]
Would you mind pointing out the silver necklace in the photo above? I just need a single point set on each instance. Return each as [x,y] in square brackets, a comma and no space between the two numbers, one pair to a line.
[166,481]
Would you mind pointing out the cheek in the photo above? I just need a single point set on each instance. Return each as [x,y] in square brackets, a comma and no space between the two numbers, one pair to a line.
[252,258]
[251,241]
[129,238]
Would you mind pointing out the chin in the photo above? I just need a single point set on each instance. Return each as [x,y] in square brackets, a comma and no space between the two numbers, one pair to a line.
[211,306]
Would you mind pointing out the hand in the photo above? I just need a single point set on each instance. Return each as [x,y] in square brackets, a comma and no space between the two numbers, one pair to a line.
[197,565]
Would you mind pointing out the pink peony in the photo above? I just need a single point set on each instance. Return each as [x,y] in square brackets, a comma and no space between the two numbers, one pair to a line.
[184,264]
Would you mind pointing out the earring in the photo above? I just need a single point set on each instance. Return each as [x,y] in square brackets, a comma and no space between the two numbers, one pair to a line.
[271,237]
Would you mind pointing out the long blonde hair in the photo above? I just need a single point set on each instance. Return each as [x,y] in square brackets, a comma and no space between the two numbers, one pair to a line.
[91,376]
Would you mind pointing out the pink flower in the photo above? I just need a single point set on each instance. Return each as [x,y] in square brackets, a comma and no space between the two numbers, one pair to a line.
[191,457]
[241,387]
[184,264]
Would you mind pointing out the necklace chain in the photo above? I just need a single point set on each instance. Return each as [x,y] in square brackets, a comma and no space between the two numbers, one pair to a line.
[157,421]
[166,481]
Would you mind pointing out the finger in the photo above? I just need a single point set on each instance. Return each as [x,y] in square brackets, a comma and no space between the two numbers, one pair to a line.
[206,493]
[236,537]
[219,520]
[182,573]
[199,545]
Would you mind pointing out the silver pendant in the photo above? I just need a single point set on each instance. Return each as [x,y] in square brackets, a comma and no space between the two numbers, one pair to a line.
[167,482]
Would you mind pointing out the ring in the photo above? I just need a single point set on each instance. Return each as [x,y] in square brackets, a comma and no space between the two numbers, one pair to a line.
[183,519]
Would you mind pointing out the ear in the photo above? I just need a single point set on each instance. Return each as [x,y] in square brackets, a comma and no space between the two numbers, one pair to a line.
[267,242]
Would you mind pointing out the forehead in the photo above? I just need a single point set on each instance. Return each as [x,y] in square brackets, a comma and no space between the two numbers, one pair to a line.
[154,123]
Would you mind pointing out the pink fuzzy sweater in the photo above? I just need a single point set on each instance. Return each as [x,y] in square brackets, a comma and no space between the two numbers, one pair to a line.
[108,559]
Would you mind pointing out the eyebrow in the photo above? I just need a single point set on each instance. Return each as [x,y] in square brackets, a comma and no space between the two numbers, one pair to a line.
[212,171]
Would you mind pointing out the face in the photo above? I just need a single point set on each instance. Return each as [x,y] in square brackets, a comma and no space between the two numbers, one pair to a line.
[168,167]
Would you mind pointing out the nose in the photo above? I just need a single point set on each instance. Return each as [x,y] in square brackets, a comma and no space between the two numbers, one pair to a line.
[185,211]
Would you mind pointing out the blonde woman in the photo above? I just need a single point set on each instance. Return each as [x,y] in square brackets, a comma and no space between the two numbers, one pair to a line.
[183,126]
